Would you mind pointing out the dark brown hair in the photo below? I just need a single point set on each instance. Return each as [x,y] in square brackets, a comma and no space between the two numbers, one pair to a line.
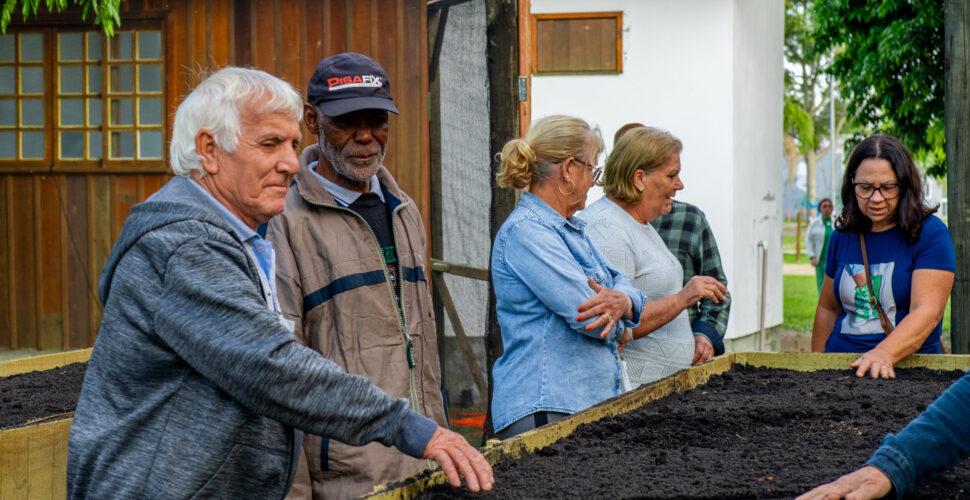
[911,210]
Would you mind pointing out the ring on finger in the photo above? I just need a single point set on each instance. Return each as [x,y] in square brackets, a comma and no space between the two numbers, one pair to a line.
[609,317]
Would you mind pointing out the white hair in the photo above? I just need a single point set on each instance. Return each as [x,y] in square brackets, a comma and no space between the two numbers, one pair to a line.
[217,104]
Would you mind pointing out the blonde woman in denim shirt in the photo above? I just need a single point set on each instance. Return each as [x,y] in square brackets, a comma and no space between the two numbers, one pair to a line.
[561,307]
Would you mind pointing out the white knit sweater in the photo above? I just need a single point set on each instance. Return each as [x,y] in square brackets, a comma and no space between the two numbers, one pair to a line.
[637,251]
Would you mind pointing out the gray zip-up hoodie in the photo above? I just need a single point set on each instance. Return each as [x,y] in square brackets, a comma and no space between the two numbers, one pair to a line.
[194,385]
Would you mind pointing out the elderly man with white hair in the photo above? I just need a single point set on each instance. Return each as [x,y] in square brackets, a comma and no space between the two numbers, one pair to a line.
[197,386]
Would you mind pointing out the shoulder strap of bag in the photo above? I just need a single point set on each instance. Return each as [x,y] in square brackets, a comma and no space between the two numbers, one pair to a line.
[887,325]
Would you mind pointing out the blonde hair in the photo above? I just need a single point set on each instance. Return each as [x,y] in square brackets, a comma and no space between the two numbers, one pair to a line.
[641,148]
[550,140]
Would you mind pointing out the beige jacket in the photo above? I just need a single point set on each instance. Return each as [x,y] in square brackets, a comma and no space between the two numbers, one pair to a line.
[333,283]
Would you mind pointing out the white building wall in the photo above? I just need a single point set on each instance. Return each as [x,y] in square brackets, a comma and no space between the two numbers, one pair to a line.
[680,65]
[758,189]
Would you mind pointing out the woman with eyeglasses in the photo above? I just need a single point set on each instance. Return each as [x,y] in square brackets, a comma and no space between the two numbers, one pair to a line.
[641,178]
[561,307]
[890,264]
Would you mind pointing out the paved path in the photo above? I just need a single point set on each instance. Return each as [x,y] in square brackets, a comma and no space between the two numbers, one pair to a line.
[799,269]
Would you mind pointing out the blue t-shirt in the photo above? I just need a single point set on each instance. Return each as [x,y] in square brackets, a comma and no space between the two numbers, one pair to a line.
[892,261]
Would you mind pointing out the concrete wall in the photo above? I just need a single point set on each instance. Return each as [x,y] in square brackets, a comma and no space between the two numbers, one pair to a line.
[709,71]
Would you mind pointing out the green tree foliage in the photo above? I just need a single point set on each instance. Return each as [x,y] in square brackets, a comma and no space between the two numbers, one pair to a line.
[889,58]
[105,11]
[806,120]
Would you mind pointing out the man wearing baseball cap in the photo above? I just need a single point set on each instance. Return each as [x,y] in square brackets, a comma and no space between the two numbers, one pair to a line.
[351,269]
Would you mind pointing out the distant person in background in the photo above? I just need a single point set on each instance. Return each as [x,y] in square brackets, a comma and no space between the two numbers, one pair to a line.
[688,236]
[911,264]
[641,178]
[817,239]
[561,307]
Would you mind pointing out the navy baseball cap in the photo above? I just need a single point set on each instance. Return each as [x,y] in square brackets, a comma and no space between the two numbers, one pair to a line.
[349,82]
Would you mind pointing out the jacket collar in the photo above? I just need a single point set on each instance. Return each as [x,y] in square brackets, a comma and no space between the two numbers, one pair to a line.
[547,215]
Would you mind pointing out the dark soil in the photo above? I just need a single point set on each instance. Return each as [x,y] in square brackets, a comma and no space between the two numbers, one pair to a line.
[28,396]
[748,433]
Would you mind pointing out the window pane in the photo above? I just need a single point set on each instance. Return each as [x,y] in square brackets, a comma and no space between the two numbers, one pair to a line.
[94,79]
[8,113]
[8,82]
[94,144]
[121,78]
[6,48]
[94,112]
[119,46]
[149,78]
[71,46]
[72,145]
[94,46]
[122,112]
[32,112]
[8,144]
[32,80]
[150,45]
[33,145]
[31,47]
[150,144]
[72,79]
[150,111]
[72,112]
[122,144]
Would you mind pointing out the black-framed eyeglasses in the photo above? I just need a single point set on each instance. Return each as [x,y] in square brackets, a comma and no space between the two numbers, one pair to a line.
[596,171]
[865,190]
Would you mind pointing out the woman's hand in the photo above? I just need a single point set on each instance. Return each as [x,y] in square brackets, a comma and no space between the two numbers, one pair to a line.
[814,261]
[863,484]
[624,340]
[878,362]
[703,349]
[703,287]
[610,305]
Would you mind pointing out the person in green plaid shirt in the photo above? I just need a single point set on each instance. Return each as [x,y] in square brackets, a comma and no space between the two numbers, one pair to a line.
[690,239]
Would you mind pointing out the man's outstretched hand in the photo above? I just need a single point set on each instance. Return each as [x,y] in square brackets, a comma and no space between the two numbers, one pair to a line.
[456,457]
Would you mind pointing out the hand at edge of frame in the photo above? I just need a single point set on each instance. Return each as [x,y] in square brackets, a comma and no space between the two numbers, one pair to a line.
[863,484]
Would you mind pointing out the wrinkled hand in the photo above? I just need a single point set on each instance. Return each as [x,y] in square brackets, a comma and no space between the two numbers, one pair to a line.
[703,349]
[624,340]
[863,484]
[703,287]
[814,261]
[610,305]
[455,456]
[878,362]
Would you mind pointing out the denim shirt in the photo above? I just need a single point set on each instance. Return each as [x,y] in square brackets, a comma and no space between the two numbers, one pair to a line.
[540,266]
[934,441]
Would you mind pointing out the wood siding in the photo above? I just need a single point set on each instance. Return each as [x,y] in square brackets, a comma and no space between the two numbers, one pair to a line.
[59,226]
[578,43]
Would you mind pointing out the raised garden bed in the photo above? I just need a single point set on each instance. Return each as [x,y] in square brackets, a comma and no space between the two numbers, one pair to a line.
[741,432]
[40,395]
[33,452]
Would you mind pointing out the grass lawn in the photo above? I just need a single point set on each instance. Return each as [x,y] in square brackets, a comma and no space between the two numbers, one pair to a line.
[800,302]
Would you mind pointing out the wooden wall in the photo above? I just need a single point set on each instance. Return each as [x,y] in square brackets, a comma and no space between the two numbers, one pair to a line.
[58,227]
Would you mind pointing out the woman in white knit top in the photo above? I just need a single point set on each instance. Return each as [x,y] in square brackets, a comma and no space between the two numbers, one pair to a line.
[642,176]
